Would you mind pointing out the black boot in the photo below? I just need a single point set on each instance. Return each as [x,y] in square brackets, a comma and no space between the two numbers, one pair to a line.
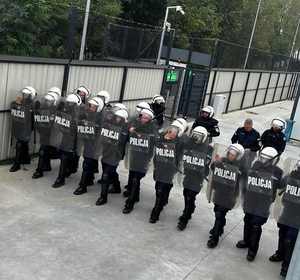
[126,193]
[133,197]
[103,196]
[37,174]
[58,183]
[243,244]
[159,205]
[279,254]
[116,187]
[15,167]
[182,223]
[85,179]
[254,238]
[216,231]
[288,253]
[80,190]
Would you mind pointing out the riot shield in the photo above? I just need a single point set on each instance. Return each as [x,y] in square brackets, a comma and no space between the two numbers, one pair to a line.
[140,146]
[21,120]
[224,179]
[287,207]
[259,189]
[113,138]
[195,164]
[64,129]
[167,159]
[43,116]
[88,133]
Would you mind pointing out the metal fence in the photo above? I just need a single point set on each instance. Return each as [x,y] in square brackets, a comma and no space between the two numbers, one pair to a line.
[129,83]
[245,88]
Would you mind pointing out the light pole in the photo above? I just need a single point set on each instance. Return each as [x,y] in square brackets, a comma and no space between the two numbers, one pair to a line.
[178,9]
[84,30]
[252,34]
[293,45]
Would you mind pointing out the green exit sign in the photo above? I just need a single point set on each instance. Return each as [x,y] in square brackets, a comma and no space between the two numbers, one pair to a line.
[172,76]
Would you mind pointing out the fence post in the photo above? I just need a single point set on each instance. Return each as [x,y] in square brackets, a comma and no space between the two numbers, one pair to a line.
[230,91]
[124,79]
[283,86]
[267,89]
[189,95]
[64,87]
[279,74]
[295,87]
[212,87]
[245,90]
[290,86]
[257,88]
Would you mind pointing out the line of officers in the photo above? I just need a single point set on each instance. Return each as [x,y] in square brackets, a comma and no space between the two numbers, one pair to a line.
[250,170]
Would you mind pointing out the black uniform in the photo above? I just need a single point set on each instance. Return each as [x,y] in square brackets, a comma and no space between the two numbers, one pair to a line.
[43,121]
[139,155]
[66,136]
[225,191]
[258,198]
[167,158]
[288,223]
[88,130]
[249,140]
[273,139]
[196,159]
[211,125]
[22,124]
[158,109]
[113,138]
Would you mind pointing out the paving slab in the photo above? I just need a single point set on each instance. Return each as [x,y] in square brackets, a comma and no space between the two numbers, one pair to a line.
[49,233]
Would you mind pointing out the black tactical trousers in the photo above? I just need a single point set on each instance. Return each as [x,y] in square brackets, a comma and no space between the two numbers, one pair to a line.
[286,243]
[133,186]
[189,204]
[109,173]
[66,165]
[89,168]
[220,221]
[252,231]
[22,153]
[46,153]
[162,197]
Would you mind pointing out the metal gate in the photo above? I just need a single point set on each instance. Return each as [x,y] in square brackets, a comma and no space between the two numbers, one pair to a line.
[193,92]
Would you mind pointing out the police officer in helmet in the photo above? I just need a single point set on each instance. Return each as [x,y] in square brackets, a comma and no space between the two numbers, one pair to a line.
[206,120]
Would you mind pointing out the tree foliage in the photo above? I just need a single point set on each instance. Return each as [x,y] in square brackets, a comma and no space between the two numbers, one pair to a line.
[42,28]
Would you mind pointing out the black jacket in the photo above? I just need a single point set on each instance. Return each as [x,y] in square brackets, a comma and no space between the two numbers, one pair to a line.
[249,140]
[273,139]
[211,125]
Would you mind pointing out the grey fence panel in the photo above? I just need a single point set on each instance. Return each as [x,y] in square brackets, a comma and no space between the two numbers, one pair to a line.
[40,76]
[96,79]
[143,83]
[251,90]
[272,88]
[238,91]
[279,87]
[3,84]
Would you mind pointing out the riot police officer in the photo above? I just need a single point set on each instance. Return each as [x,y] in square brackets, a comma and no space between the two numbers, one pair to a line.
[167,160]
[274,137]
[289,218]
[65,131]
[196,160]
[247,136]
[88,130]
[105,97]
[142,133]
[206,120]
[158,105]
[259,193]
[44,111]
[113,138]
[22,125]
[224,186]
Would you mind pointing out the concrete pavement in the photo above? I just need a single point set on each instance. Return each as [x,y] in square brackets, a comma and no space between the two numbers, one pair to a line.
[49,233]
